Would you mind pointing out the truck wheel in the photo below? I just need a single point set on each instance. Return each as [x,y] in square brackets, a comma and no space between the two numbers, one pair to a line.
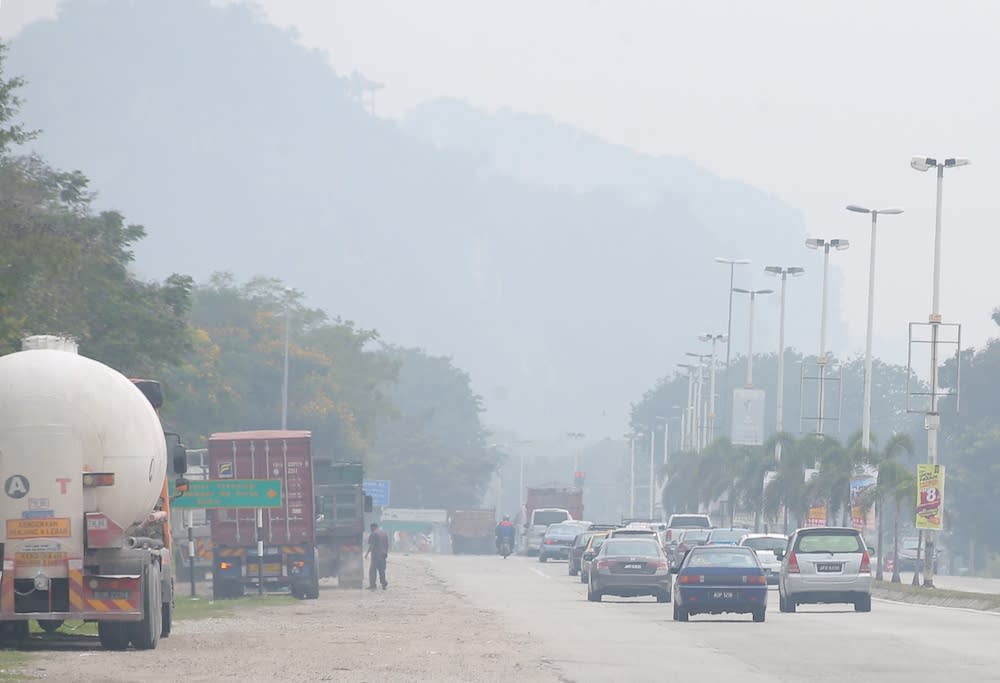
[50,625]
[113,635]
[146,633]
[166,619]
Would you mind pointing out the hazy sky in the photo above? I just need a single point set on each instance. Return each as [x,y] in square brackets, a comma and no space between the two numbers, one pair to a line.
[819,103]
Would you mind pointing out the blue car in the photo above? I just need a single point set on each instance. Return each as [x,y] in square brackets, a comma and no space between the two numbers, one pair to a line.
[720,579]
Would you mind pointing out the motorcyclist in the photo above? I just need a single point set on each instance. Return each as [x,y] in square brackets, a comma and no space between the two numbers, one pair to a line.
[505,531]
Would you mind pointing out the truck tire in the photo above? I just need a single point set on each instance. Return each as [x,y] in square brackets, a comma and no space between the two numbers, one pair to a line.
[167,619]
[113,635]
[146,632]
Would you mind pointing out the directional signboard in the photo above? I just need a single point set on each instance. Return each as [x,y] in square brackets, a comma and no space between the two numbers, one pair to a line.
[748,417]
[229,493]
[378,489]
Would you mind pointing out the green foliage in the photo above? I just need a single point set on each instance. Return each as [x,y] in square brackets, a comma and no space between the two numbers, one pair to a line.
[434,450]
[11,132]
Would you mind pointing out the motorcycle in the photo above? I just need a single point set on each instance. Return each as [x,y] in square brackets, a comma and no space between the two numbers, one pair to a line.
[505,548]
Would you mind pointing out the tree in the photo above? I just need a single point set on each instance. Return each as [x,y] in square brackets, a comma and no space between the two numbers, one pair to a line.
[11,132]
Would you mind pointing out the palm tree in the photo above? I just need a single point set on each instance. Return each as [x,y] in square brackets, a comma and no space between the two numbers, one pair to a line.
[899,484]
[897,445]
[784,493]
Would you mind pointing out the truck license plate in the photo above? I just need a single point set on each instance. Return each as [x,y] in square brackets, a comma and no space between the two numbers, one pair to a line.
[111,595]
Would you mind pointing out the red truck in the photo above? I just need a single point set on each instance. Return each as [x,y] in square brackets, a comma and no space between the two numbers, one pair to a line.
[547,505]
[473,531]
[288,532]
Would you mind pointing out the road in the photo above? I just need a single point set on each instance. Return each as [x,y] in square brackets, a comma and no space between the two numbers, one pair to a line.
[633,639]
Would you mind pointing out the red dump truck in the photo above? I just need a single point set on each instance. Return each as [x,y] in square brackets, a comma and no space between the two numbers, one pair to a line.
[544,506]
[288,532]
[473,531]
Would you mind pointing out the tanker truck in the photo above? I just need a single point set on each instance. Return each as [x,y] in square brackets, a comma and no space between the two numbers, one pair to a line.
[84,508]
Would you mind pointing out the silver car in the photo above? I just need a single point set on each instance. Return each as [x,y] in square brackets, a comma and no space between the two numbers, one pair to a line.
[825,565]
[770,548]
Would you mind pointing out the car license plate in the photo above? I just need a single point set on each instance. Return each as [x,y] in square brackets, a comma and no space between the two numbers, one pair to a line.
[828,567]
[634,565]
[111,595]
[723,595]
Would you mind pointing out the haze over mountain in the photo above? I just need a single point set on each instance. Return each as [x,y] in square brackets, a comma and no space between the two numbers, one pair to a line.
[563,273]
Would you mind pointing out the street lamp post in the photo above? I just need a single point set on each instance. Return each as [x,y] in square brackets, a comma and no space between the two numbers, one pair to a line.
[701,410]
[631,476]
[866,417]
[782,272]
[686,433]
[732,263]
[711,381]
[753,296]
[826,245]
[932,422]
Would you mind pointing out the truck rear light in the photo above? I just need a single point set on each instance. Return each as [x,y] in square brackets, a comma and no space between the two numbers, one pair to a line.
[92,479]
[866,564]
[793,564]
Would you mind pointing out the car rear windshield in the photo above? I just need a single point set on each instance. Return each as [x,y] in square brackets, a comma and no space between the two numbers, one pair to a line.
[562,530]
[709,557]
[772,544]
[631,547]
[550,517]
[581,539]
[694,536]
[726,535]
[689,520]
[830,542]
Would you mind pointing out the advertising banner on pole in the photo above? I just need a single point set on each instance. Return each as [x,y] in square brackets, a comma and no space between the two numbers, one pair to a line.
[748,417]
[930,497]
[862,482]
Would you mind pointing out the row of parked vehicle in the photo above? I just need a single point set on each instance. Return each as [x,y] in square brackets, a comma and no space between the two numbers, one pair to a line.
[716,570]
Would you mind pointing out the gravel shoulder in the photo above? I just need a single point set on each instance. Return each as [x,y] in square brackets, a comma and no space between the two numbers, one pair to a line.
[417,630]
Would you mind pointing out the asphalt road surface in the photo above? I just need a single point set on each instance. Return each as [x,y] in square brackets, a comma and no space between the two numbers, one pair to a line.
[623,639]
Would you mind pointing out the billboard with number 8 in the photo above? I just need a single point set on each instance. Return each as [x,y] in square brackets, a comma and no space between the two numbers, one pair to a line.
[930,497]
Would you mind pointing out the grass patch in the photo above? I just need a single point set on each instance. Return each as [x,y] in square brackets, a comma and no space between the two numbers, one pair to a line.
[988,601]
[203,608]
[11,664]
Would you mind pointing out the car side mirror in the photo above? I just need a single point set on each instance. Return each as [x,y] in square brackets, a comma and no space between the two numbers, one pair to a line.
[674,570]
[780,554]
[871,550]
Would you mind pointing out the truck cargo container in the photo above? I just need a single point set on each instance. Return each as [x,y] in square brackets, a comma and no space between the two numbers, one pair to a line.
[473,531]
[288,532]
[85,533]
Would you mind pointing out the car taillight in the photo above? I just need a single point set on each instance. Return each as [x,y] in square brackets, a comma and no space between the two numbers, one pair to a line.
[793,564]
[755,580]
[224,565]
[670,535]
[682,548]
[658,565]
[866,564]
[549,541]
[691,578]
[603,564]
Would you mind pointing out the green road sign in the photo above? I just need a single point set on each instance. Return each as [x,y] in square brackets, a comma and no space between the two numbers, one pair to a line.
[229,493]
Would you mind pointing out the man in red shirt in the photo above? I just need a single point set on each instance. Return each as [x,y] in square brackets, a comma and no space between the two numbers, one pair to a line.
[378,548]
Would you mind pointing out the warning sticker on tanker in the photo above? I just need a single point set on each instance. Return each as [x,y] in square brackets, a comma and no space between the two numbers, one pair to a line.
[39,559]
[49,527]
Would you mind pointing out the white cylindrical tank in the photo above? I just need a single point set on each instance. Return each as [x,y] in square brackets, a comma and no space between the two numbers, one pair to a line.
[61,415]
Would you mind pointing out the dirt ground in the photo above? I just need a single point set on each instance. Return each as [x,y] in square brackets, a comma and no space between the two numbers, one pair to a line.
[417,630]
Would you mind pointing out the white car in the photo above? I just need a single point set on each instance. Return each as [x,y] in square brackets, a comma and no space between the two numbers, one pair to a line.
[770,548]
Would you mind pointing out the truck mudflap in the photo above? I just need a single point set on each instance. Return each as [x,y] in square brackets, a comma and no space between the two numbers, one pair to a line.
[104,597]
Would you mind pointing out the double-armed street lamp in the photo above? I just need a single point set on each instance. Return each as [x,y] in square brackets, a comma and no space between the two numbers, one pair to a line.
[866,417]
[783,272]
[753,296]
[711,381]
[826,246]
[932,421]
[732,263]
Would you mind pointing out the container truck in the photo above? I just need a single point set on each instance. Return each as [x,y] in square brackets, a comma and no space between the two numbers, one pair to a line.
[473,531]
[341,504]
[287,533]
[544,506]
[85,510]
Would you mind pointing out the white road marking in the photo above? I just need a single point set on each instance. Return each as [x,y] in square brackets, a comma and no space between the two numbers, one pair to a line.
[540,573]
